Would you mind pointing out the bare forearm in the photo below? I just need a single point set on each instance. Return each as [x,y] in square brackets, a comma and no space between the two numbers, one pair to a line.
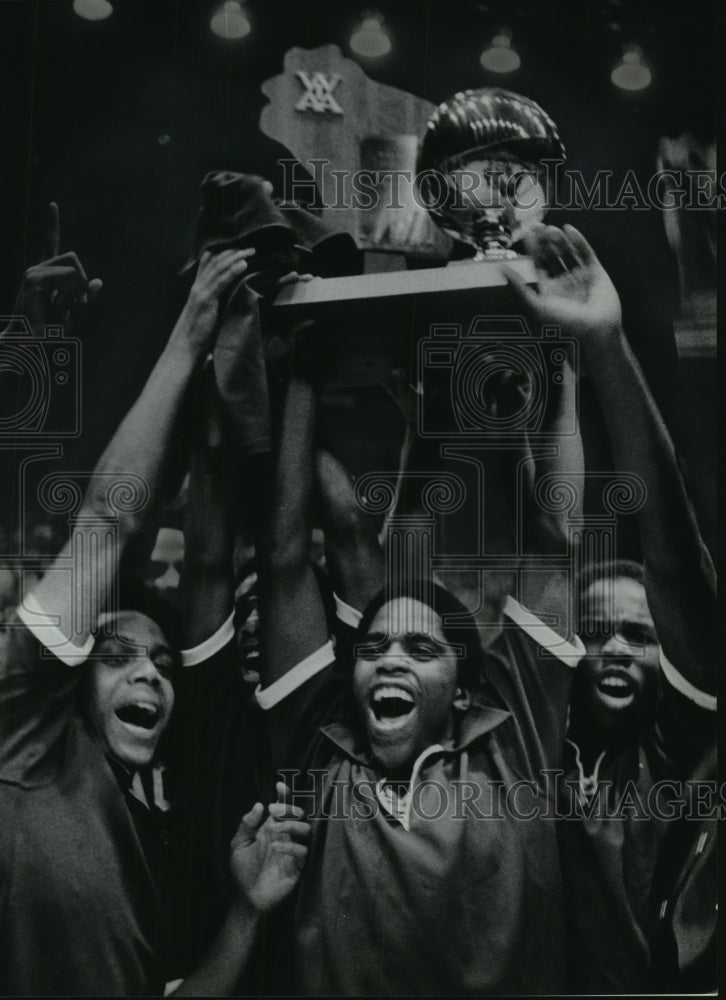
[561,457]
[294,480]
[562,428]
[680,577]
[137,450]
[141,443]
[292,612]
[268,853]
[220,971]
[207,583]
[575,293]
[642,446]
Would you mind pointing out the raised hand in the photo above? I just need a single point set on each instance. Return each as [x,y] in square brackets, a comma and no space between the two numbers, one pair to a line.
[215,273]
[292,278]
[268,854]
[56,288]
[574,289]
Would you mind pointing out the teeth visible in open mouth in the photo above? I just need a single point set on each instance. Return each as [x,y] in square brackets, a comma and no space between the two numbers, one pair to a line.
[616,686]
[391,692]
[390,701]
[143,714]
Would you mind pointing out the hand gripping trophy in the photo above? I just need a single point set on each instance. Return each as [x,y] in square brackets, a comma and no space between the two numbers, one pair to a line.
[482,170]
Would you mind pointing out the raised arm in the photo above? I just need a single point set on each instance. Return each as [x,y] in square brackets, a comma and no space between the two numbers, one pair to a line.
[139,448]
[353,555]
[207,583]
[560,456]
[576,293]
[292,612]
[267,857]
[553,449]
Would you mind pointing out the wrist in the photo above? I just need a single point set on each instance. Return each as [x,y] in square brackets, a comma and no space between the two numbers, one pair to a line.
[180,352]
[194,327]
[609,332]
[561,405]
[242,912]
[602,341]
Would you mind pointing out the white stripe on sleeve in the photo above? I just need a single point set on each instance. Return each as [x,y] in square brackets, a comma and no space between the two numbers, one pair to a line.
[570,652]
[211,646]
[49,635]
[295,678]
[684,687]
[346,613]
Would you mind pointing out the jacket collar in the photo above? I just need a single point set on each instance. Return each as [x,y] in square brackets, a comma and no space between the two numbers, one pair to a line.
[475,723]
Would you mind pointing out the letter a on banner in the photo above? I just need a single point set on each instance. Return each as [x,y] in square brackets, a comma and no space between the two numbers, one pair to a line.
[318,94]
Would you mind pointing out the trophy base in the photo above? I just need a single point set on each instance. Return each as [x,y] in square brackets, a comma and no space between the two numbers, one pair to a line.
[435,294]
[371,323]
[495,253]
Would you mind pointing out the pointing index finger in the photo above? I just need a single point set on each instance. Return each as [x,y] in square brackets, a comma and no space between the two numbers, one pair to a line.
[52,239]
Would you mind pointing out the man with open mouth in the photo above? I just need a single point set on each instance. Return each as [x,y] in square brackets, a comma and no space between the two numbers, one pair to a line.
[86,697]
[614,691]
[643,703]
[419,761]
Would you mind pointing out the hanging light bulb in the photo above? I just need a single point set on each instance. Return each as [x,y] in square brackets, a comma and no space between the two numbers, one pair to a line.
[370,39]
[93,10]
[631,73]
[500,57]
[230,22]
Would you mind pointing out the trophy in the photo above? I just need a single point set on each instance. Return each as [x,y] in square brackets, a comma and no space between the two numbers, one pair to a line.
[482,170]
[482,175]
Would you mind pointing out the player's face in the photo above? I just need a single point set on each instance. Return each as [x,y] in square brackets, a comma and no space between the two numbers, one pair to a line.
[129,694]
[405,682]
[616,682]
[167,559]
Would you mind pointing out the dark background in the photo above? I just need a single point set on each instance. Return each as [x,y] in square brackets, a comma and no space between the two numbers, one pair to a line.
[118,121]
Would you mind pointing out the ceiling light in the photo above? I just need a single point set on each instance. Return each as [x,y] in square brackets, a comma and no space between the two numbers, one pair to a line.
[93,10]
[631,73]
[500,57]
[370,39]
[230,22]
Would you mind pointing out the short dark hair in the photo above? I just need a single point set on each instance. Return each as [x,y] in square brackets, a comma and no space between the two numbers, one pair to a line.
[136,594]
[607,569]
[462,632]
[610,569]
